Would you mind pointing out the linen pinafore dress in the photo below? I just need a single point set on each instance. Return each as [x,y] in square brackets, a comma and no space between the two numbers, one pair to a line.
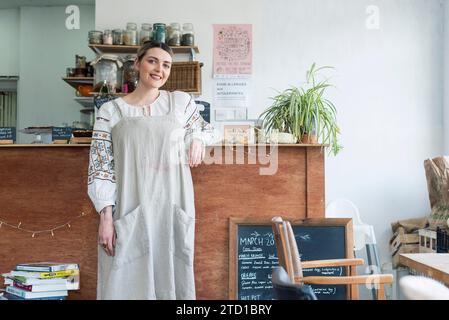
[155,214]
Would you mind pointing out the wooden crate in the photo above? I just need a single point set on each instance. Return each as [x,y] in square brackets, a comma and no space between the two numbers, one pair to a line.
[81,140]
[400,238]
[402,242]
[427,240]
[185,76]
[405,248]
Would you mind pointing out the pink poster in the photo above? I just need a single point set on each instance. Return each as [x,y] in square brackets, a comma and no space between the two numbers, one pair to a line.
[232,49]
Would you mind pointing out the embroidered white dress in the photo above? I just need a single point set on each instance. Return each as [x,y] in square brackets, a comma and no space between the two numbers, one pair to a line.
[132,167]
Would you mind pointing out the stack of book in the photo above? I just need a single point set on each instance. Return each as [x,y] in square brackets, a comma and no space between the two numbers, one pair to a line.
[42,281]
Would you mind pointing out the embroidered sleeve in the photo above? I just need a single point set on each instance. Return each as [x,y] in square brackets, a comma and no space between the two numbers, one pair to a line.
[101,165]
[196,127]
[101,176]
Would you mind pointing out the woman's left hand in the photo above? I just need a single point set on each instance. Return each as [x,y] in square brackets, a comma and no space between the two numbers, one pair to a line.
[197,151]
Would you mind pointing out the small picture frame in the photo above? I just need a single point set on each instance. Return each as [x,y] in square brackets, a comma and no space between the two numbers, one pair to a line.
[239,132]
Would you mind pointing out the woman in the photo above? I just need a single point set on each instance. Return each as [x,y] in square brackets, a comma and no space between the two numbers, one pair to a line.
[145,199]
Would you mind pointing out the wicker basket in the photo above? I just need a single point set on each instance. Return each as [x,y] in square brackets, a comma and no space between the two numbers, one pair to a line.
[185,76]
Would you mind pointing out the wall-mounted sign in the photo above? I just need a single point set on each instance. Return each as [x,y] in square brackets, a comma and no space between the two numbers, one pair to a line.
[232,50]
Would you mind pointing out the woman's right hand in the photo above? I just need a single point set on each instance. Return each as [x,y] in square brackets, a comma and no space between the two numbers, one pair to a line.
[106,231]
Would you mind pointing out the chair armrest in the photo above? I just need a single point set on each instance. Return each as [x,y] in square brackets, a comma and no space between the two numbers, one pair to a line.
[368,279]
[332,263]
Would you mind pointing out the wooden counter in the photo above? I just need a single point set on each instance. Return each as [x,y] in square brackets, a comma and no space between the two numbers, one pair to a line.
[45,186]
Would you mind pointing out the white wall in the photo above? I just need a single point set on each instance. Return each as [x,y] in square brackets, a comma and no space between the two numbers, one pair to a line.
[446,76]
[9,47]
[389,83]
[46,49]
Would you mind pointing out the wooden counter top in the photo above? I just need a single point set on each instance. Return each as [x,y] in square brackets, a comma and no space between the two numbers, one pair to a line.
[213,145]
[42,145]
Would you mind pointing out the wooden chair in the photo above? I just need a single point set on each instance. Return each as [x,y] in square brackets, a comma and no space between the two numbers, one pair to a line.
[289,259]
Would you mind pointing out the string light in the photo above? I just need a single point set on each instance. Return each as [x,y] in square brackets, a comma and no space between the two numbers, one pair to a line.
[36,232]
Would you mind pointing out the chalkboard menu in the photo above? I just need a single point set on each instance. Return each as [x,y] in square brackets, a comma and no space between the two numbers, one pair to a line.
[61,133]
[99,100]
[253,254]
[8,133]
[205,113]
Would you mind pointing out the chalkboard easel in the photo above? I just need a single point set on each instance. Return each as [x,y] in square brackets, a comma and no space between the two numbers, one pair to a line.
[253,254]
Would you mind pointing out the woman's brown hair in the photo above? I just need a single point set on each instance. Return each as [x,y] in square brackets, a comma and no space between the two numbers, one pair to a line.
[149,45]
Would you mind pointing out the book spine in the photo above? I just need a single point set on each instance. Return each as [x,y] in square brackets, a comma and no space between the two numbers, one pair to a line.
[30,268]
[15,291]
[23,286]
[47,268]
[58,274]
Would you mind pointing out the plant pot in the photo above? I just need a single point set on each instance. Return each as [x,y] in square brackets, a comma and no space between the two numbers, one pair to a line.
[282,137]
[309,139]
[285,137]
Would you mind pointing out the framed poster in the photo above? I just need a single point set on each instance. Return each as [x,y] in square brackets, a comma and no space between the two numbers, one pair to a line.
[232,50]
[241,132]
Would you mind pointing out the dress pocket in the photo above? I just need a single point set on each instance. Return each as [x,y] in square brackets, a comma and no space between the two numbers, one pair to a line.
[184,233]
[132,237]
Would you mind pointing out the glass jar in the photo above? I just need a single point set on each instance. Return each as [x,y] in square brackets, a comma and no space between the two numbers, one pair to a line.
[117,36]
[130,74]
[188,38]
[130,34]
[80,61]
[146,31]
[174,34]
[107,37]
[95,37]
[108,69]
[159,32]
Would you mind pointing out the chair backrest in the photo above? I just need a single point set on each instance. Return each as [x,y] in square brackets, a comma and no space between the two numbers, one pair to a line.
[343,208]
[288,253]
[284,289]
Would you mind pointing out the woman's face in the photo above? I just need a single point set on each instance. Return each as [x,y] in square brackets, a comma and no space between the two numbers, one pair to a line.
[154,68]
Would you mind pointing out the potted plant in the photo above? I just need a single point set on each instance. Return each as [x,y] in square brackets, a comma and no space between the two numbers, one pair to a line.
[305,113]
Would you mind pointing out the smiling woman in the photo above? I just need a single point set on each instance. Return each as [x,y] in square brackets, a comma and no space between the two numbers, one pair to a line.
[148,241]
[154,61]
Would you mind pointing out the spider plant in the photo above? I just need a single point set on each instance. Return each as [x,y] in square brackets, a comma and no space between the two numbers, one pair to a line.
[304,110]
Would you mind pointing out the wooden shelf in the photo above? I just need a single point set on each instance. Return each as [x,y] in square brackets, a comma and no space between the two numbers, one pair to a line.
[120,94]
[87,110]
[122,49]
[76,81]
[86,102]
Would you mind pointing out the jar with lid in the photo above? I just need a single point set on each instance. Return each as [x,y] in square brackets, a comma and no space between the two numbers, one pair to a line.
[117,36]
[188,38]
[80,61]
[130,34]
[107,37]
[95,37]
[130,74]
[146,31]
[108,69]
[159,32]
[174,34]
